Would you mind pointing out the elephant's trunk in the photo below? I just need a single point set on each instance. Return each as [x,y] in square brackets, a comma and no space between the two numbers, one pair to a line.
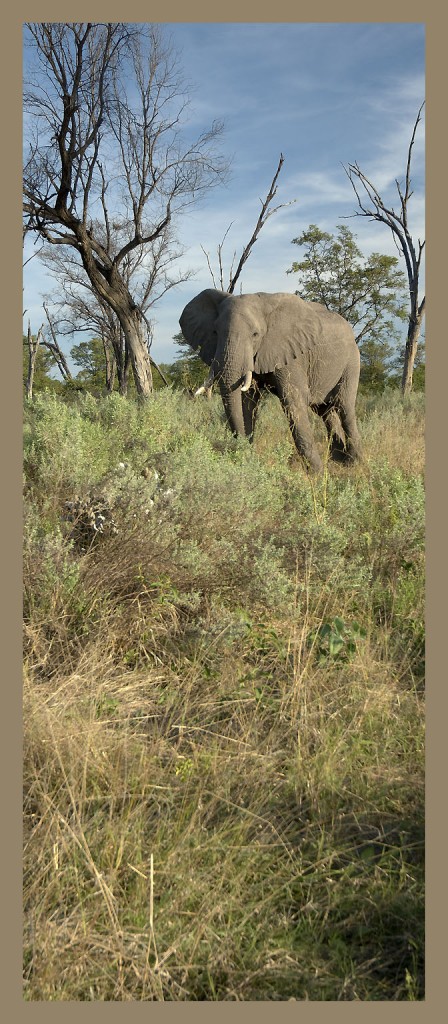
[234,359]
[234,409]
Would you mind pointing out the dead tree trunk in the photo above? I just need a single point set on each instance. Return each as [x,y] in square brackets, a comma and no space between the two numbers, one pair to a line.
[126,371]
[122,358]
[110,364]
[113,290]
[33,346]
[414,328]
[134,334]
[56,350]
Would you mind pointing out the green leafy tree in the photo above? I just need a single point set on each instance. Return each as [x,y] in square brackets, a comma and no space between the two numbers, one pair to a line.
[96,363]
[188,370]
[89,357]
[368,292]
[96,368]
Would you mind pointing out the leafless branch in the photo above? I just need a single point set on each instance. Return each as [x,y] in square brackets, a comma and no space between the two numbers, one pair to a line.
[372,206]
[56,350]
[264,215]
[207,256]
[33,256]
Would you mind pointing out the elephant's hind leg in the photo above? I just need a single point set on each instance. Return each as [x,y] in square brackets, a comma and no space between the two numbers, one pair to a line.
[346,402]
[353,440]
[336,435]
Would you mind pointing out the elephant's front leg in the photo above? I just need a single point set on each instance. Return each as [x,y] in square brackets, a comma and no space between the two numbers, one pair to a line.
[295,405]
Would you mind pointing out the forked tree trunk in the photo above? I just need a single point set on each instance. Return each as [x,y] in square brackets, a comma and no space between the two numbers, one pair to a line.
[56,350]
[114,291]
[140,361]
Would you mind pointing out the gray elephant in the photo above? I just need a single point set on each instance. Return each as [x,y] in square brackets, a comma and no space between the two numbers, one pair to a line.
[299,350]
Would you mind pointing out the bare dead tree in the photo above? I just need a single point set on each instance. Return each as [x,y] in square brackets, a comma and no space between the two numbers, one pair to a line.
[56,350]
[77,307]
[103,109]
[371,205]
[33,347]
[33,343]
[265,213]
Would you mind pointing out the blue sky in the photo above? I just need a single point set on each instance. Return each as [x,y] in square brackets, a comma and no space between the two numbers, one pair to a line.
[323,95]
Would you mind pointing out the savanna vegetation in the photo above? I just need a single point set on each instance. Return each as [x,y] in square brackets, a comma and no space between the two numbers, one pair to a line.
[223,705]
[223,656]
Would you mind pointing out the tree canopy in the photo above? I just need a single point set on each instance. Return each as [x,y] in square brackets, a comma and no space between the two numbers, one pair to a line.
[368,292]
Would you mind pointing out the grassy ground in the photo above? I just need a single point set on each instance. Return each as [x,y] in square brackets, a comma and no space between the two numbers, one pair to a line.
[223,707]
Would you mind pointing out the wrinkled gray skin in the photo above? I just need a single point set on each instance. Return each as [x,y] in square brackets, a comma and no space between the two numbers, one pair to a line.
[299,350]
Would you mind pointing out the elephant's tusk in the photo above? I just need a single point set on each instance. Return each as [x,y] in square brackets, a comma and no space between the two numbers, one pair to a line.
[206,385]
[247,381]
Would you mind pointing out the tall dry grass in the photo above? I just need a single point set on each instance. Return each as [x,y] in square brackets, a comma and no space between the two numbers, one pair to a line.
[223,708]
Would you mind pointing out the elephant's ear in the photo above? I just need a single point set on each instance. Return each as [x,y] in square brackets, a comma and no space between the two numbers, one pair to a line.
[289,328]
[198,322]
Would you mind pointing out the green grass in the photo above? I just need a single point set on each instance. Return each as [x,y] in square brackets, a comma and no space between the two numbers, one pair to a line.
[223,708]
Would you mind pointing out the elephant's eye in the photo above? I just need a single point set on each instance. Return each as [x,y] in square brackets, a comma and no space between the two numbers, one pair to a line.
[255,334]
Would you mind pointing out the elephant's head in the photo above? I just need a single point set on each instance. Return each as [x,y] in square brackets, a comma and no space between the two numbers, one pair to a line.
[238,335]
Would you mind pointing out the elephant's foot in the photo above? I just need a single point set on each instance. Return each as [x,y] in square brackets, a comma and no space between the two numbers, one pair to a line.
[298,461]
[307,450]
[337,449]
[343,452]
[349,457]
[313,463]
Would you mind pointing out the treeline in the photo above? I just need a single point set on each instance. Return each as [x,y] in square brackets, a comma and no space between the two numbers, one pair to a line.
[187,372]
[368,291]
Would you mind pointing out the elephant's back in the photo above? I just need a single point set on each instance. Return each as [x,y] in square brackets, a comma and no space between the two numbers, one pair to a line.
[302,307]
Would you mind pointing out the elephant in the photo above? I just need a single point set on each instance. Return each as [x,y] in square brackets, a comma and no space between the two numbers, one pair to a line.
[301,351]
